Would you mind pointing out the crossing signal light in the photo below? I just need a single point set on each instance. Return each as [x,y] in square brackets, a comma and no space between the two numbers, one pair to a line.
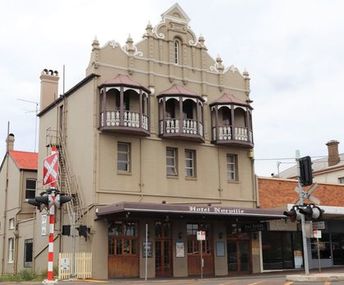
[307,211]
[306,171]
[63,198]
[292,214]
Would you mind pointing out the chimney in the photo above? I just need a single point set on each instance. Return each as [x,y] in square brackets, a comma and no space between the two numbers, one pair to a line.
[10,142]
[49,87]
[333,155]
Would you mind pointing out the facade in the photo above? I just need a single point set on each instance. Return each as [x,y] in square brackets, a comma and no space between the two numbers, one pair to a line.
[329,169]
[282,242]
[18,174]
[156,144]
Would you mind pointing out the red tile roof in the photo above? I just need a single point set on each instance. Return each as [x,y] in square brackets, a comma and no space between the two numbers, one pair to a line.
[178,90]
[228,99]
[25,160]
[277,193]
[124,80]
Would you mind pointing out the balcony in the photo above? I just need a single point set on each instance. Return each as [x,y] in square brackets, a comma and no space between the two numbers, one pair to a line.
[231,122]
[124,106]
[180,114]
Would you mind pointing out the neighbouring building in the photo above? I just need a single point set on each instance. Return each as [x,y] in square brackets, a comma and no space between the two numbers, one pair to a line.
[329,169]
[18,174]
[282,242]
[156,144]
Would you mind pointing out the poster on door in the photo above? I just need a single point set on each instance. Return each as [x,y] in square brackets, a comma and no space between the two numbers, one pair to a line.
[179,249]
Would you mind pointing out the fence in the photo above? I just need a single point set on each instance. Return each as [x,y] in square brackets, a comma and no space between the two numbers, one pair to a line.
[83,265]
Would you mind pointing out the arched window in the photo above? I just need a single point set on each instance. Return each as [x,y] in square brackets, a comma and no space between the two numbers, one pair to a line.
[176,51]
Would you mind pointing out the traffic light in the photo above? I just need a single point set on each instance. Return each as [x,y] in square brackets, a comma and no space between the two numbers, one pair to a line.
[63,198]
[292,214]
[307,211]
[306,172]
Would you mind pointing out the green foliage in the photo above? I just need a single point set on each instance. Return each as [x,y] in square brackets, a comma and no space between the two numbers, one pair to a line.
[24,275]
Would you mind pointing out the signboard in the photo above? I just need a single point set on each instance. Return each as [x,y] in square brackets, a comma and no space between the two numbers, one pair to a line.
[316,234]
[200,235]
[149,249]
[65,263]
[180,250]
[220,248]
[44,220]
[50,169]
[319,225]
[248,228]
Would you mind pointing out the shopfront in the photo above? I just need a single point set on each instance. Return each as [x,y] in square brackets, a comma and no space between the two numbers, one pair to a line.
[230,245]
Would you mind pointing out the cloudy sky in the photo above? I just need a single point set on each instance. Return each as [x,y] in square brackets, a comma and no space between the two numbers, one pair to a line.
[293,50]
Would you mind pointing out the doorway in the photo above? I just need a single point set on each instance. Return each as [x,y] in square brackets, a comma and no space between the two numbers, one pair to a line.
[163,249]
[239,256]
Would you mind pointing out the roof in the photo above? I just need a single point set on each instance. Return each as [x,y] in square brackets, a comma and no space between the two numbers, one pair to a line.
[178,90]
[317,166]
[25,160]
[123,80]
[229,99]
[187,209]
[277,193]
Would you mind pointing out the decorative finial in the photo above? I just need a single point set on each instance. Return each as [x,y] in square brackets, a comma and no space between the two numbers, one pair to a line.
[219,64]
[246,74]
[201,39]
[95,43]
[130,45]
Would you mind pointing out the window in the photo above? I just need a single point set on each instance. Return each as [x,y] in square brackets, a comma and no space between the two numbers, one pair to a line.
[171,161]
[123,157]
[122,238]
[28,253]
[30,191]
[341,180]
[10,250]
[11,224]
[190,163]
[232,167]
[176,51]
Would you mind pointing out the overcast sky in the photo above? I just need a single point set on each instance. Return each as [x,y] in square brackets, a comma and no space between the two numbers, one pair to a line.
[293,50]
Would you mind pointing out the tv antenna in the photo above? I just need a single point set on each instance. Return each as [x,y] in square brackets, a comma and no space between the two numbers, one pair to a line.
[36,120]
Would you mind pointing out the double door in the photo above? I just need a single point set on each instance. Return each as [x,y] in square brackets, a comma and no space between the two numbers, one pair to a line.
[239,256]
[163,249]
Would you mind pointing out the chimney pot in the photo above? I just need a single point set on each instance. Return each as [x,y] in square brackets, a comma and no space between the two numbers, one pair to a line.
[333,154]
[10,142]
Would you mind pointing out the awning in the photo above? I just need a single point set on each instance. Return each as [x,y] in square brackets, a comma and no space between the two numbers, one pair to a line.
[187,209]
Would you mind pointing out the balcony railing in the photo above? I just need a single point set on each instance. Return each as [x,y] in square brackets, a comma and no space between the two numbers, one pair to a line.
[131,121]
[188,128]
[224,134]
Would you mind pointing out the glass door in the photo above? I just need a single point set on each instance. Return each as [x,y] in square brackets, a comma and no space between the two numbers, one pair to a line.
[163,249]
[238,254]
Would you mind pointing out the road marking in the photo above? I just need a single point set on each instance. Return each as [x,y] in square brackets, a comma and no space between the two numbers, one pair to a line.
[288,283]
[255,283]
[327,283]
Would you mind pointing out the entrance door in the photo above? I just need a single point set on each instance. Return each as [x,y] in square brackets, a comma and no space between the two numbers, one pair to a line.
[195,254]
[238,254]
[163,249]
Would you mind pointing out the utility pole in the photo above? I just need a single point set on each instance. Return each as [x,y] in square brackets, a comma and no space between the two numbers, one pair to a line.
[303,222]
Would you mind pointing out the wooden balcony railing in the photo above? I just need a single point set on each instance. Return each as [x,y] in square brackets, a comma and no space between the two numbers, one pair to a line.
[188,128]
[130,121]
[225,134]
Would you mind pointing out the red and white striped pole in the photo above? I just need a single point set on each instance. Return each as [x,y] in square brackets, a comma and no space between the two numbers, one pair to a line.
[52,198]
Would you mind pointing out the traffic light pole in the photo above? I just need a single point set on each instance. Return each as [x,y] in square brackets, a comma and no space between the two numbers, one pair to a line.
[303,222]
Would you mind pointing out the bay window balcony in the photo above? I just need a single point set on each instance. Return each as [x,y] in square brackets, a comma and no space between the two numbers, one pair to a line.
[231,122]
[181,114]
[124,106]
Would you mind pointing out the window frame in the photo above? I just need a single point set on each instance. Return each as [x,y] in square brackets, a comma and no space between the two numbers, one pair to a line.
[176,50]
[10,252]
[30,189]
[124,241]
[193,166]
[126,162]
[341,180]
[28,264]
[232,168]
[11,224]
[174,166]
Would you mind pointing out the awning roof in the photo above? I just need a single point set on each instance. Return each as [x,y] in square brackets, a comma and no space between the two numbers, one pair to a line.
[188,209]
[124,80]
[227,98]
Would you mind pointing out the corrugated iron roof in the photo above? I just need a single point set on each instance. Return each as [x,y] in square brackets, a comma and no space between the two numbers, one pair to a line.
[178,90]
[227,98]
[124,80]
[25,160]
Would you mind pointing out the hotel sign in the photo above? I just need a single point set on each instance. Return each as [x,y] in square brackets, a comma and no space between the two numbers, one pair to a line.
[216,210]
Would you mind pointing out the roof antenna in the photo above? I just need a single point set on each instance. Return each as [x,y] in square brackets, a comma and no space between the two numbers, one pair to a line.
[36,120]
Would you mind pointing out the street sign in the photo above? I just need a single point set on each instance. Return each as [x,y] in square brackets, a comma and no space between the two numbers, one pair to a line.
[50,169]
[200,235]
[319,225]
[316,234]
